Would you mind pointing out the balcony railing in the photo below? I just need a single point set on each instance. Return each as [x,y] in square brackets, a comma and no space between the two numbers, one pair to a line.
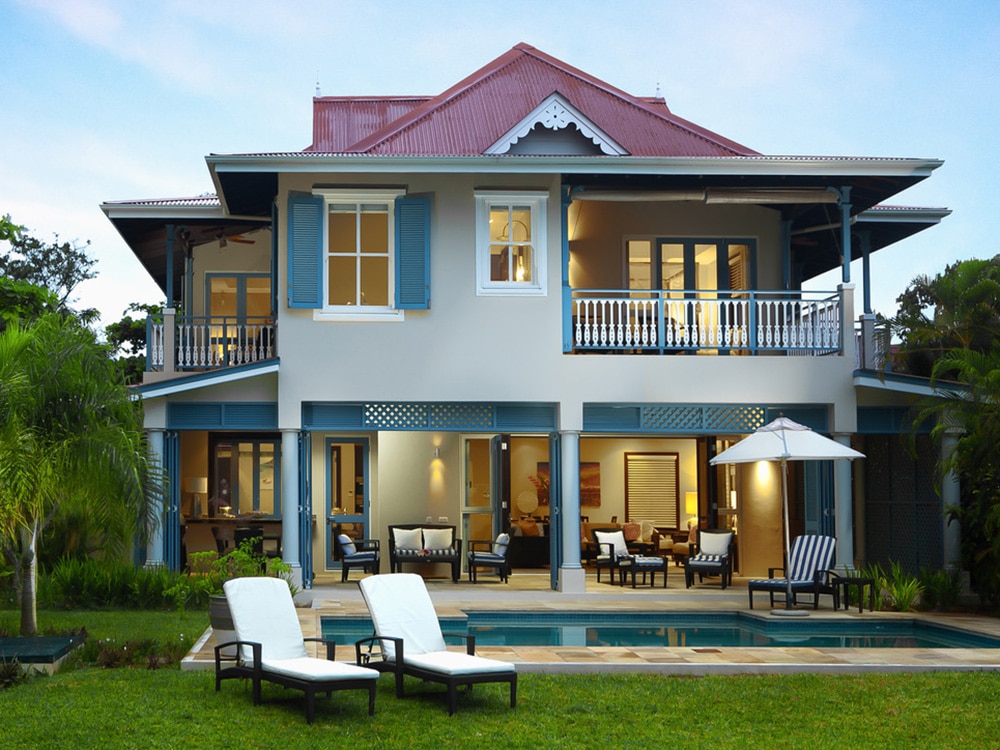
[207,343]
[667,322]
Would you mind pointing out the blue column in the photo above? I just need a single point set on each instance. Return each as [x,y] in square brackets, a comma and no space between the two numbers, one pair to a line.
[865,238]
[844,200]
[171,237]
[843,501]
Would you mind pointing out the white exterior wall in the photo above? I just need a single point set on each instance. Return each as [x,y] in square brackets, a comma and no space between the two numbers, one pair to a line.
[471,348]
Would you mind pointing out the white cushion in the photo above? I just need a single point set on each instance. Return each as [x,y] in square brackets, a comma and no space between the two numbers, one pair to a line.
[312,668]
[346,544]
[401,607]
[437,538]
[263,612]
[456,662]
[714,544]
[500,545]
[616,538]
[648,527]
[408,538]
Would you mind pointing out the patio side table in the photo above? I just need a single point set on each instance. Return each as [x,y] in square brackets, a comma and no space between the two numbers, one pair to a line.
[845,582]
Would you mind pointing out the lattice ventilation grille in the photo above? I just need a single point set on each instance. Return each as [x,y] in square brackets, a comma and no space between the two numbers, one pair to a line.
[734,419]
[428,416]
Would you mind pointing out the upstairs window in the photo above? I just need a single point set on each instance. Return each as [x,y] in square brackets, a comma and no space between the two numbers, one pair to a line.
[358,254]
[510,243]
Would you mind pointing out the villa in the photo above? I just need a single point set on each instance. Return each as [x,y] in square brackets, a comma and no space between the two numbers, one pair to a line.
[534,297]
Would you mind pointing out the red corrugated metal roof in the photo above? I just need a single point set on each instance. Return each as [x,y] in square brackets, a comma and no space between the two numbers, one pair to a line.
[473,114]
[341,121]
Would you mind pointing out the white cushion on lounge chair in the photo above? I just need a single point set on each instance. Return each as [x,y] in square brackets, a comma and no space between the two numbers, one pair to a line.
[263,612]
[455,662]
[312,668]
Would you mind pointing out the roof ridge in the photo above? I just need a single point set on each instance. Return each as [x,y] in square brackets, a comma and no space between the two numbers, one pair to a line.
[655,109]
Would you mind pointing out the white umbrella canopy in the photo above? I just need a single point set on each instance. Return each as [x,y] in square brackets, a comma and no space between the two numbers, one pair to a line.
[785,440]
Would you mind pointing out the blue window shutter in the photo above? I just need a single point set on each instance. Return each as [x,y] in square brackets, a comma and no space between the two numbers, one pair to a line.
[413,253]
[305,254]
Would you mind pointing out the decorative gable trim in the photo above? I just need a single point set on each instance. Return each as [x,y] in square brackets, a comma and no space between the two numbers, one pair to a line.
[555,113]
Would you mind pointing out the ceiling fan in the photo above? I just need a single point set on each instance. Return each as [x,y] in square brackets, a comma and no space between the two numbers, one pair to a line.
[237,238]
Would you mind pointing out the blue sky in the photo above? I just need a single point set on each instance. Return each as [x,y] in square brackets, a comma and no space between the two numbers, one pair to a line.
[116,99]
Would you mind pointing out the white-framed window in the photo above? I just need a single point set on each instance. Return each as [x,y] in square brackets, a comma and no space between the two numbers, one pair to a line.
[359,253]
[510,242]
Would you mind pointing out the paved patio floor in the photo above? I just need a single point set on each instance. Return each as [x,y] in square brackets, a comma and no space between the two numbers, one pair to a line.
[529,590]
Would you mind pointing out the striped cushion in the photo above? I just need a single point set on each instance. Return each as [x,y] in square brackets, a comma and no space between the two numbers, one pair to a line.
[487,557]
[809,554]
[360,556]
[707,559]
[648,562]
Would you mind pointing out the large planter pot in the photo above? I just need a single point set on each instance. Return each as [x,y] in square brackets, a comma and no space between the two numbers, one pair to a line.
[221,621]
[219,616]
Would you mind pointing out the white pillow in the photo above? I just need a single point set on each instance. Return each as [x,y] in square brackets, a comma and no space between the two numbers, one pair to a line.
[617,538]
[346,544]
[648,527]
[715,544]
[407,538]
[500,545]
[437,538]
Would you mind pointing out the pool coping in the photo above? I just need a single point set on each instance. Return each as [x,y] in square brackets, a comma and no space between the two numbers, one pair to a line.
[455,600]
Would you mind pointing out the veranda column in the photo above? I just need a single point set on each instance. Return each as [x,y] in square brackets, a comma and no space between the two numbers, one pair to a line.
[572,577]
[290,508]
[155,556]
[843,504]
[951,533]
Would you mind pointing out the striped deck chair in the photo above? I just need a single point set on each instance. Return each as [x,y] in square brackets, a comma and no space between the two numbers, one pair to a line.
[810,563]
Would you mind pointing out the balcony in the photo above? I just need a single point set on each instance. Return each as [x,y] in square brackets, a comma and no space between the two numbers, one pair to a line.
[200,343]
[747,322]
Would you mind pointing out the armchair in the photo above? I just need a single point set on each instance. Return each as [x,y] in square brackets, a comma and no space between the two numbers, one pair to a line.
[358,553]
[487,554]
[714,557]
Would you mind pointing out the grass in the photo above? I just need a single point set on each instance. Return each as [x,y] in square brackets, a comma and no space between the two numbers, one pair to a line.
[87,706]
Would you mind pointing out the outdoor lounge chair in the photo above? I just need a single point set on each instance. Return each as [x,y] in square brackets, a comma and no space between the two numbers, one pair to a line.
[270,647]
[486,554]
[411,642]
[358,553]
[809,571]
[714,557]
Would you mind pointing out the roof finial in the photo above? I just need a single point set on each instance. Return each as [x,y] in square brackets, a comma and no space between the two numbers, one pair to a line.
[318,94]
[658,94]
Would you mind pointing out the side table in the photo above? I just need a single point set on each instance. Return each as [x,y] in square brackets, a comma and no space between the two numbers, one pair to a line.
[845,582]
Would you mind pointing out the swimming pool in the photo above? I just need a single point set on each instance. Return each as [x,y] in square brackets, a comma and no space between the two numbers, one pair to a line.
[694,630]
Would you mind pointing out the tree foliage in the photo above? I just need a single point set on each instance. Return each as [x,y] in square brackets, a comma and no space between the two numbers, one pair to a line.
[957,309]
[127,339]
[70,438]
[949,326]
[57,266]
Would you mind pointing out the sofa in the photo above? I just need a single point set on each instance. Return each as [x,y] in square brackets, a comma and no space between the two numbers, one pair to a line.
[424,543]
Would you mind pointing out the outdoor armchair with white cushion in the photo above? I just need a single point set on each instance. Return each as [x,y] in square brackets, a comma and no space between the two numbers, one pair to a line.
[270,647]
[358,553]
[487,554]
[714,557]
[809,562]
[411,642]
[612,551]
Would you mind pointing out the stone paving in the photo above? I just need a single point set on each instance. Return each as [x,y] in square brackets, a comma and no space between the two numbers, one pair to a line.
[529,591]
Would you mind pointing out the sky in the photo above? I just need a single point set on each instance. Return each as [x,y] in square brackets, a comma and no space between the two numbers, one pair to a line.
[104,100]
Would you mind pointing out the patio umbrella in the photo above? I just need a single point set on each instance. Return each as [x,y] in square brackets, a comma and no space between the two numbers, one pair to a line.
[784,440]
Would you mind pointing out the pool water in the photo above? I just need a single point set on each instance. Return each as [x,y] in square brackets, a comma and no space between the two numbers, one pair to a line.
[691,630]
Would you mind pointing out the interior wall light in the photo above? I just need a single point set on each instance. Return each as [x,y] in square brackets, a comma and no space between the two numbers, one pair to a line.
[437,452]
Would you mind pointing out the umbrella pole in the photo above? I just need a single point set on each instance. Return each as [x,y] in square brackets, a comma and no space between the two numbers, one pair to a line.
[787,611]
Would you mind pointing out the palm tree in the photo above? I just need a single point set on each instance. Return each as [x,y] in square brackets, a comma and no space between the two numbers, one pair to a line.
[70,437]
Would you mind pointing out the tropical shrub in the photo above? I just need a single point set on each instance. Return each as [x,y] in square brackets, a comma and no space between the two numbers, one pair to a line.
[942,588]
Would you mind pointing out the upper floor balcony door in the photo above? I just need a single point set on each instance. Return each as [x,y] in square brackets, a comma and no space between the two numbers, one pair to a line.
[240,317]
[697,282]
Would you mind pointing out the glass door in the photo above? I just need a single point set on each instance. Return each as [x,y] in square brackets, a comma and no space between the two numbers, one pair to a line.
[347,502]
[482,514]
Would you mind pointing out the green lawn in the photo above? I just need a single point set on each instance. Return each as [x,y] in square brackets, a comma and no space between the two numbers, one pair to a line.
[110,708]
